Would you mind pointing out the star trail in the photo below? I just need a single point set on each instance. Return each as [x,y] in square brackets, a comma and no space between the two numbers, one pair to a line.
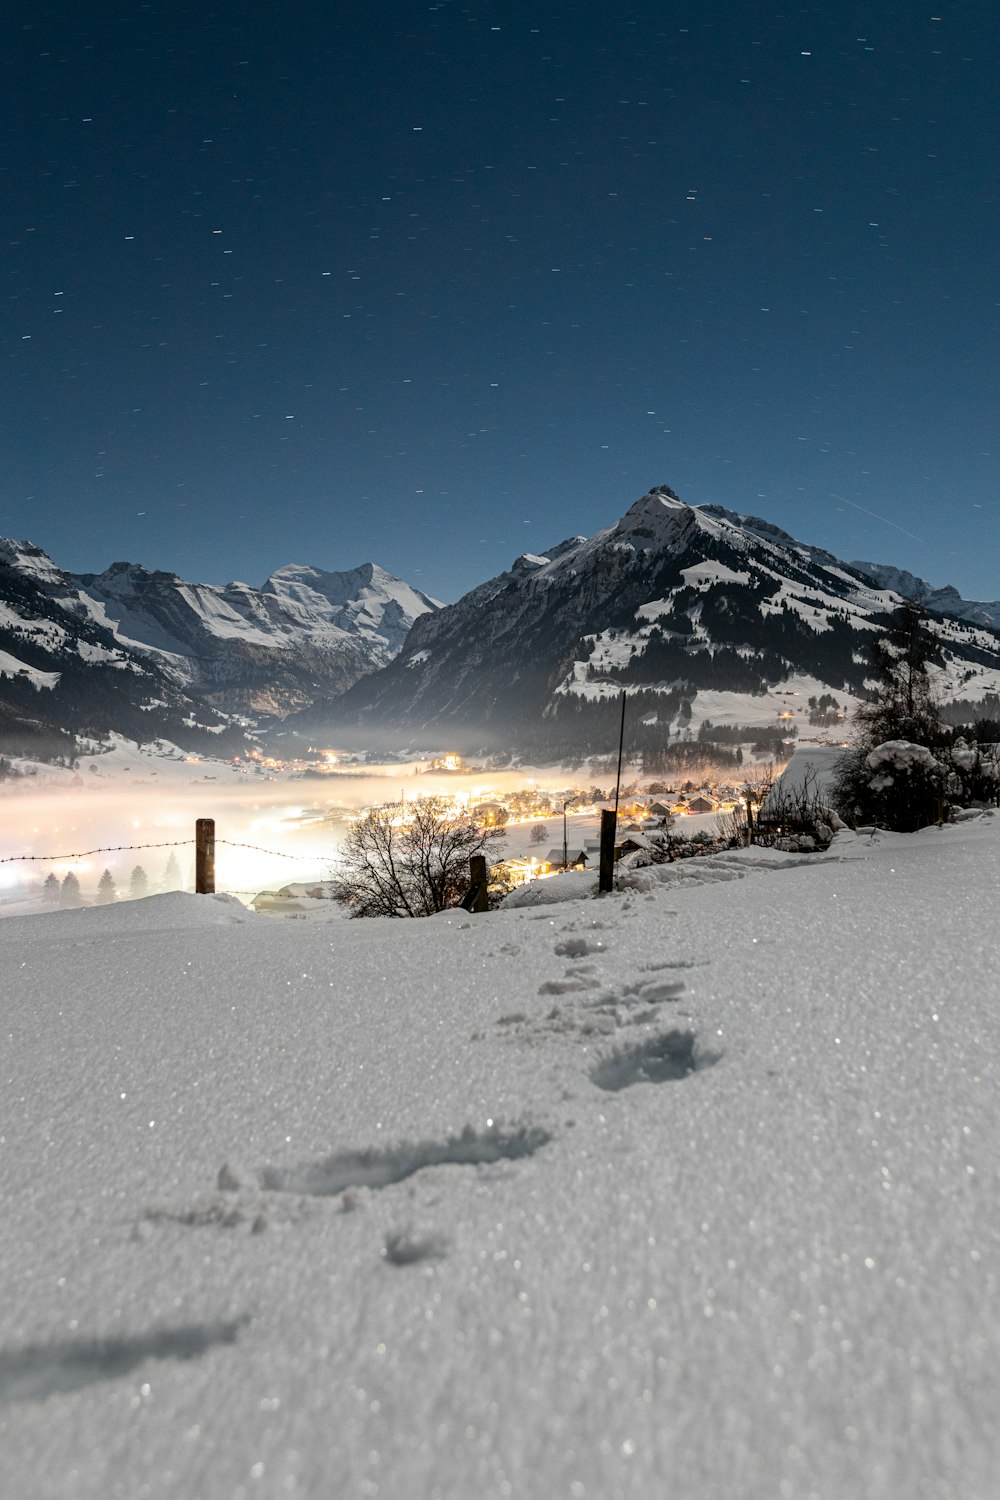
[433,285]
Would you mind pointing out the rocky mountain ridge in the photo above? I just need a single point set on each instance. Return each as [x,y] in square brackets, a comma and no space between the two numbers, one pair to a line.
[192,655]
[703,614]
[712,621]
[945,601]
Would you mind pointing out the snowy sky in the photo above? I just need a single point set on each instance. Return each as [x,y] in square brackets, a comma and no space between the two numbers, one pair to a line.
[437,284]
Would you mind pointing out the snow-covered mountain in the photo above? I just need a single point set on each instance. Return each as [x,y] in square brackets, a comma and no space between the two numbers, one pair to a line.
[262,650]
[366,602]
[703,614]
[228,649]
[946,600]
[65,673]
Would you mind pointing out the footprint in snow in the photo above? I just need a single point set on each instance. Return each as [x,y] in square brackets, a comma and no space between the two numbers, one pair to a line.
[578,947]
[404,1248]
[667,1058]
[381,1168]
[43,1370]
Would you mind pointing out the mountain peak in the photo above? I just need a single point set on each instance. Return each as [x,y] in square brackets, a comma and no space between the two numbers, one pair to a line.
[660,519]
[678,604]
[29,559]
[367,593]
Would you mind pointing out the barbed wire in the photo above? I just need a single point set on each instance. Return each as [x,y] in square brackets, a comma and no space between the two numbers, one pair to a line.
[17,859]
[278,853]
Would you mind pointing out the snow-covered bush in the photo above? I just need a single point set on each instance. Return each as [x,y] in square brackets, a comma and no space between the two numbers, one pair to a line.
[896,773]
[898,784]
[974,772]
[795,819]
[665,848]
[895,756]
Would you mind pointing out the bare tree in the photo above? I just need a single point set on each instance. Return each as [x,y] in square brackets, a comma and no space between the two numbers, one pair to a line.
[410,860]
[753,794]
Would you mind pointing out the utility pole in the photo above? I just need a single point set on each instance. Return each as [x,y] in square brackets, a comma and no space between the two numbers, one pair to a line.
[609,822]
[606,867]
[565,844]
[621,743]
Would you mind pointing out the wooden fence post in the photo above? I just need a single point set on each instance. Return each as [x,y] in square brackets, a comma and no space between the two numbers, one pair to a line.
[479,882]
[606,870]
[204,856]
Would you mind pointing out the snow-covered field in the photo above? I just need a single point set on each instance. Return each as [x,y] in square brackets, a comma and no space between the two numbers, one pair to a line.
[690,1191]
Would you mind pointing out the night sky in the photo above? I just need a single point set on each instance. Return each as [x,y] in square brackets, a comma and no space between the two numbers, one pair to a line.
[435,284]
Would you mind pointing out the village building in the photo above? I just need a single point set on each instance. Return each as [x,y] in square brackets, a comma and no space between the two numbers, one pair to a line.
[702,805]
[576,859]
[492,814]
[299,896]
[449,762]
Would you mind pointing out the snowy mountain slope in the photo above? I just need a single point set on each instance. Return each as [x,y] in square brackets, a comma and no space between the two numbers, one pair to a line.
[946,600]
[366,602]
[246,650]
[674,603]
[262,650]
[691,1194]
[63,672]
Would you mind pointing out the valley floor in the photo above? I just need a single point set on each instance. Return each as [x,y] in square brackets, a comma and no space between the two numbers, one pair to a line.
[689,1191]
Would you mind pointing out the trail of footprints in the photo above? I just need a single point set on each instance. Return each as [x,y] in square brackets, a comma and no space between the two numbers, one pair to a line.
[604,1010]
[587,1006]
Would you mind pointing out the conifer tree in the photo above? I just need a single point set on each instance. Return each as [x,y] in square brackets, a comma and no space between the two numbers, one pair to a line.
[903,707]
[69,891]
[106,892]
[172,874]
[50,890]
[138,884]
[896,772]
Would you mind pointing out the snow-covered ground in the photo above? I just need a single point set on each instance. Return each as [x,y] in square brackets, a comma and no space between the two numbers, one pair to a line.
[689,1191]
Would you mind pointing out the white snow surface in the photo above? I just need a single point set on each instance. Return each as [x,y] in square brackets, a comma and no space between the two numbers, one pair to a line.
[367,602]
[772,1275]
[12,666]
[711,571]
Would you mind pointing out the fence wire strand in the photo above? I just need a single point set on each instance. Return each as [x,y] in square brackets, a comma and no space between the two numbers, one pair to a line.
[18,859]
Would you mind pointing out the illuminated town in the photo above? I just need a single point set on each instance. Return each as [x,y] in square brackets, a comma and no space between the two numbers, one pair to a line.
[125,816]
